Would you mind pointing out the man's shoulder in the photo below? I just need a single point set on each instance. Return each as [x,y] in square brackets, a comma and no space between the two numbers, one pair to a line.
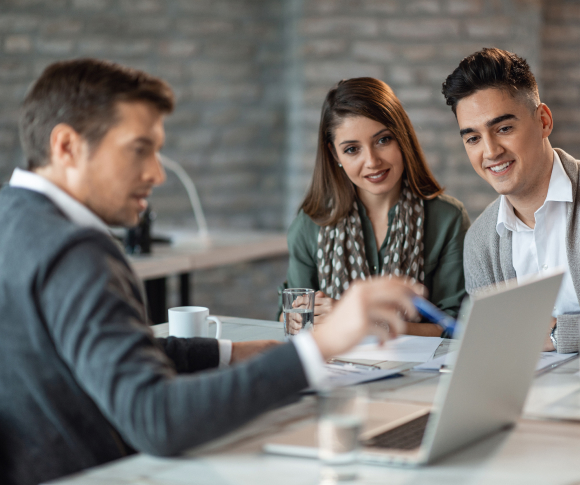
[483,229]
[32,224]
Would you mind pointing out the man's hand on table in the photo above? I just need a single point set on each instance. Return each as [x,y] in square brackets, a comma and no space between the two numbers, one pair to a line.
[245,350]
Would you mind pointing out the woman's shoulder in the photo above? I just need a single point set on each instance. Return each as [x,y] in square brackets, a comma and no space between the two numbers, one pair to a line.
[302,227]
[446,211]
[446,204]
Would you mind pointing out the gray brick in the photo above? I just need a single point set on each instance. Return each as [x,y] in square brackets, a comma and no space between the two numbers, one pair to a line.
[13,70]
[374,51]
[62,26]
[141,6]
[430,116]
[415,95]
[212,70]
[208,27]
[565,34]
[332,72]
[379,6]
[498,28]
[422,29]
[366,27]
[92,46]
[464,7]
[91,5]
[324,47]
[148,25]
[561,94]
[179,48]
[229,50]
[134,47]
[401,75]
[18,23]
[423,6]
[419,52]
[55,47]
[17,44]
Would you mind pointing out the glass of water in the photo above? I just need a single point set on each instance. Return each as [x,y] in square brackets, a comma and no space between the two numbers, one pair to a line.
[298,307]
[341,415]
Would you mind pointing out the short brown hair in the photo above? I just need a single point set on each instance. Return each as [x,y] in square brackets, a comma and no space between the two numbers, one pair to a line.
[331,193]
[83,94]
[491,68]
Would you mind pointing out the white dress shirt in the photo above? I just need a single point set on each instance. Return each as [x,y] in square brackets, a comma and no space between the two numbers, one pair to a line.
[543,247]
[306,348]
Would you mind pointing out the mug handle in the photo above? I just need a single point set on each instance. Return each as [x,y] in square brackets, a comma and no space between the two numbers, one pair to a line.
[218,326]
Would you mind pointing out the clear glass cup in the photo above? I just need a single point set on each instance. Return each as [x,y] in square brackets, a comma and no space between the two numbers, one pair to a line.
[341,415]
[298,308]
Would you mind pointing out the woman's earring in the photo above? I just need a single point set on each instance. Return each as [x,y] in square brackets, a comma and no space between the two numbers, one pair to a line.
[340,165]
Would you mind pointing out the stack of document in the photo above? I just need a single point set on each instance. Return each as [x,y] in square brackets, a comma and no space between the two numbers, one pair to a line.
[362,364]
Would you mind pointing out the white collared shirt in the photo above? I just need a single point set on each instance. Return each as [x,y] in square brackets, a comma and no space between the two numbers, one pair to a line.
[78,213]
[544,247]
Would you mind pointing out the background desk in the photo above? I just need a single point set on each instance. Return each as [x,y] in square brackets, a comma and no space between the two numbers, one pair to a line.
[188,253]
[535,452]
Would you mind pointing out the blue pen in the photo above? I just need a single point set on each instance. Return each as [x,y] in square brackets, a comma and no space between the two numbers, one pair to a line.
[434,315]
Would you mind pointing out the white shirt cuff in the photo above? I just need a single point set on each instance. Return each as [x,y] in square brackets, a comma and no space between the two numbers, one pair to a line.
[311,359]
[225,351]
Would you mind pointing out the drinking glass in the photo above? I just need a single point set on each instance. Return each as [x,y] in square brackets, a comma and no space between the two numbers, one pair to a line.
[341,415]
[298,307]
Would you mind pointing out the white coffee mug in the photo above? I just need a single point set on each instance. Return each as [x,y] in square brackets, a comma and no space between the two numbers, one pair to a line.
[192,321]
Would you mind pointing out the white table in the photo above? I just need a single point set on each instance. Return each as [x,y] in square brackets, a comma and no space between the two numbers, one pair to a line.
[535,452]
[188,252]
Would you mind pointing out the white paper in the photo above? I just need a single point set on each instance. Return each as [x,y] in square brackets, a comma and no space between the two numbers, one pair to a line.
[547,359]
[349,375]
[406,348]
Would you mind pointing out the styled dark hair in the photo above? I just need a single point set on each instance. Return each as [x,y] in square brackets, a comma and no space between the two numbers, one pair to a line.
[491,68]
[83,94]
[331,193]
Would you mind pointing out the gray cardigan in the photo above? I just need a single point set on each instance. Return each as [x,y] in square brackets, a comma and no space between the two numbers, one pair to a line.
[487,257]
[82,379]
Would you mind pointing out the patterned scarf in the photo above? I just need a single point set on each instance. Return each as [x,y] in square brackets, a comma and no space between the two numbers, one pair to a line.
[341,250]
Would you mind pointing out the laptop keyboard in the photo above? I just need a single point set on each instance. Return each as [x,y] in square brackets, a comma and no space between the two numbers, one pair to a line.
[408,436]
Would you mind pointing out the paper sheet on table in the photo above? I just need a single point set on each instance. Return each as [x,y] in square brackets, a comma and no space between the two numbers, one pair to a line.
[347,375]
[547,359]
[402,349]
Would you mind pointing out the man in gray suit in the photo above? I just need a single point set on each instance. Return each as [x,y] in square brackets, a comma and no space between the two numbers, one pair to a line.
[83,380]
[534,225]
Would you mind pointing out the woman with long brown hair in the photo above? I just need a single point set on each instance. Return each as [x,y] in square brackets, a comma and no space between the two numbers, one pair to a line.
[374,207]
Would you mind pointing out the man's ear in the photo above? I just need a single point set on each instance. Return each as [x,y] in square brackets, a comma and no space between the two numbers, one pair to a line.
[66,146]
[546,119]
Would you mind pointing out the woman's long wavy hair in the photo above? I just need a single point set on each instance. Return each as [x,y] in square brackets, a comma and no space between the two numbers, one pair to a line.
[331,193]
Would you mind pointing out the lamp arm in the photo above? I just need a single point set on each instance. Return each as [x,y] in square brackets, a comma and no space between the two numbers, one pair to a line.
[185,179]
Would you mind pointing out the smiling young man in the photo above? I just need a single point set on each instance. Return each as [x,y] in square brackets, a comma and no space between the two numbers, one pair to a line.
[534,225]
[83,380]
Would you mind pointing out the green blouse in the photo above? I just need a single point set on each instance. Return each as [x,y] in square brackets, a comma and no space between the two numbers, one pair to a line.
[446,222]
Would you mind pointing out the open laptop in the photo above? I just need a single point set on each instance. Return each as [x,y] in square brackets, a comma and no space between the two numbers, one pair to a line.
[502,333]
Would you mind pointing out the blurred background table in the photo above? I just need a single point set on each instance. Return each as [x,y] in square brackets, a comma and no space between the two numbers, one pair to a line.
[187,253]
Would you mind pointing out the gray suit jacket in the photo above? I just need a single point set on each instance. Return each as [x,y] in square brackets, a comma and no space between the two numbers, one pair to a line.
[487,258]
[82,379]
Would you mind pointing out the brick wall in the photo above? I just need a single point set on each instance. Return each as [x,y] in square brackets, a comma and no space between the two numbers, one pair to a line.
[412,45]
[250,77]
[224,60]
[560,72]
